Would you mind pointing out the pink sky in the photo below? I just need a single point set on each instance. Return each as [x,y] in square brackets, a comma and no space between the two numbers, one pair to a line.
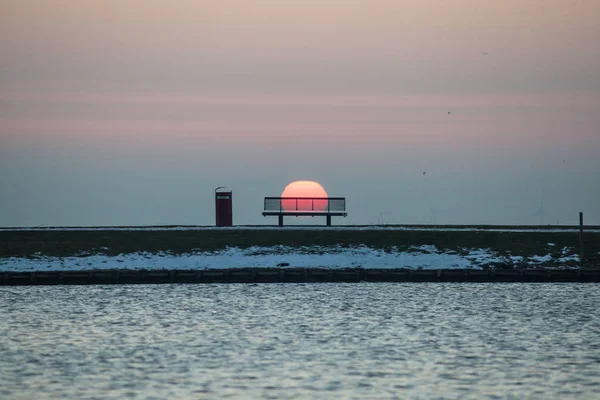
[119,101]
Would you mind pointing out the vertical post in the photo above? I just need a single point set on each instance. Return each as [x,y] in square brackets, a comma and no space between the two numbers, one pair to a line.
[581,238]
[328,219]
[280,219]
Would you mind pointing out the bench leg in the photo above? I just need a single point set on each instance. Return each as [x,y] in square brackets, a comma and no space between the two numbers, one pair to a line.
[281,220]
[329,220]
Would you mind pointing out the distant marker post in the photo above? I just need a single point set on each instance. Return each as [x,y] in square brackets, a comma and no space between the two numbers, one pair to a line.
[581,239]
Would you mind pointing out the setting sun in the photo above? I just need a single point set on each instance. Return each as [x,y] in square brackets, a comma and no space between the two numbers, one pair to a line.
[304,189]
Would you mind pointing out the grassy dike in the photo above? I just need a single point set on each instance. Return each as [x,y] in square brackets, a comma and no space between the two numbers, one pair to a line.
[65,243]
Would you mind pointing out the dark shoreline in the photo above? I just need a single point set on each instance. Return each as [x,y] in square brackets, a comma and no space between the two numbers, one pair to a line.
[293,275]
[288,227]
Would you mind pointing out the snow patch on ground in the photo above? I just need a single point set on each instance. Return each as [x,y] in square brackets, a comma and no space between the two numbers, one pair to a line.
[574,258]
[566,257]
[484,256]
[424,257]
[315,257]
[516,259]
[540,259]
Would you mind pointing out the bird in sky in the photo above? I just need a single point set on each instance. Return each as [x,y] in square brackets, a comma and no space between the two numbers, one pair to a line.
[424,173]
[485,53]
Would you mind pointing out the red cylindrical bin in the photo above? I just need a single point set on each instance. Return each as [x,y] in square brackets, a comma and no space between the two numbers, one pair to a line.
[223,206]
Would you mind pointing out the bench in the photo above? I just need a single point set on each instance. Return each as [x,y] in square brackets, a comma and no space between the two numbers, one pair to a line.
[305,206]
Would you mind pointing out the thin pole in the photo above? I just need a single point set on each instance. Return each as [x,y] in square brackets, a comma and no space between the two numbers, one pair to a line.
[581,238]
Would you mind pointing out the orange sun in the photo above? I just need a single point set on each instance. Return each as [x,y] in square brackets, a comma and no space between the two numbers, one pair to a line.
[304,189]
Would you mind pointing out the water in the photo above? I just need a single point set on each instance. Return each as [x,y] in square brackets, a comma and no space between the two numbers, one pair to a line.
[284,341]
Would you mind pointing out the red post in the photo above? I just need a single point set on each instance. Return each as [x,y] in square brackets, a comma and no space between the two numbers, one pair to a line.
[223,206]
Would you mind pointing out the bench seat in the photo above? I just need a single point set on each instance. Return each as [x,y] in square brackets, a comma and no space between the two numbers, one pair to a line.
[305,207]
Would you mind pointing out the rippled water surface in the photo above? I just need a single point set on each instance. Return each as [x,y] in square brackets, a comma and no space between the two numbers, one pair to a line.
[367,340]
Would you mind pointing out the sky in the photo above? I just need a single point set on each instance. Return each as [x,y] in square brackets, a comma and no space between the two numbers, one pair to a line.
[131,112]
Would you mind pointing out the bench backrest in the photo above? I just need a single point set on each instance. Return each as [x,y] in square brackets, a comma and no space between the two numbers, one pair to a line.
[305,204]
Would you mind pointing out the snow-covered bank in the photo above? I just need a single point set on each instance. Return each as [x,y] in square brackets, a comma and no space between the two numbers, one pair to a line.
[425,257]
